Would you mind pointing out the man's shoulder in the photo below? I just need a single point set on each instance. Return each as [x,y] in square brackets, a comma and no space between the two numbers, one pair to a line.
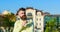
[17,22]
[18,18]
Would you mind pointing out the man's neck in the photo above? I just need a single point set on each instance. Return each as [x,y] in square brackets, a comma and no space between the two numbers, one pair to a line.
[21,18]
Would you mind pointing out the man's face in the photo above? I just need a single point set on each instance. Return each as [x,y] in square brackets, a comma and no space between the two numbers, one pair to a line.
[22,14]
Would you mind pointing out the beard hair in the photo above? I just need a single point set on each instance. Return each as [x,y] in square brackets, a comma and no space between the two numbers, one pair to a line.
[23,17]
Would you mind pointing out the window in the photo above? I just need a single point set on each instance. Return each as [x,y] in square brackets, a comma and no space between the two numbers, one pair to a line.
[40,19]
[29,14]
[37,19]
[36,23]
[40,23]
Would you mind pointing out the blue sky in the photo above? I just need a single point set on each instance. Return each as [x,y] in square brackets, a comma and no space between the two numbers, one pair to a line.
[51,6]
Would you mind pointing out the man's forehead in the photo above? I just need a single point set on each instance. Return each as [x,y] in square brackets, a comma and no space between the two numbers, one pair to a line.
[21,11]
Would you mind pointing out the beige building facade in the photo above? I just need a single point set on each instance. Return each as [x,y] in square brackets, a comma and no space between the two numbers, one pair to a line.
[39,21]
[37,17]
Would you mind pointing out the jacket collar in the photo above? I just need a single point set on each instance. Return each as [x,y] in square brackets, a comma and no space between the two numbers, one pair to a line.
[18,18]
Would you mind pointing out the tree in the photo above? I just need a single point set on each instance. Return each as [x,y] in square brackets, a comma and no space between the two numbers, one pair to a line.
[9,21]
[51,25]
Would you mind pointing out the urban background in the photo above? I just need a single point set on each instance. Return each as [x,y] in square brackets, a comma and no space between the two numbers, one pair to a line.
[43,21]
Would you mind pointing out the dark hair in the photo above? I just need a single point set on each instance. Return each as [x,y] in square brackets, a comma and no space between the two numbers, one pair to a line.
[20,9]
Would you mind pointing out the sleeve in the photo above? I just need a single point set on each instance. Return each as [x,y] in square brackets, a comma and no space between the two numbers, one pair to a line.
[29,24]
[17,26]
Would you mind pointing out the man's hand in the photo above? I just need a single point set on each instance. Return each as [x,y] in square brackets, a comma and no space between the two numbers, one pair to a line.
[24,23]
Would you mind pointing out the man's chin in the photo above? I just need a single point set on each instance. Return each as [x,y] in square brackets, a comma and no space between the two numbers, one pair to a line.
[23,18]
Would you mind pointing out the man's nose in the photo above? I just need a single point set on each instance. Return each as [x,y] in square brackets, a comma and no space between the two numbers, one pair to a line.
[23,14]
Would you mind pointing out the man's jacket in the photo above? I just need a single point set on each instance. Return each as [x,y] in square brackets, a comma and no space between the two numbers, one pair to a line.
[19,28]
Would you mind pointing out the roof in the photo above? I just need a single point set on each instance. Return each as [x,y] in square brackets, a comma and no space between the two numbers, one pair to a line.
[29,8]
[55,15]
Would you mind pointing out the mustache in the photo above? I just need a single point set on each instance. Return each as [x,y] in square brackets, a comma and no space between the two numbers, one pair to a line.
[24,17]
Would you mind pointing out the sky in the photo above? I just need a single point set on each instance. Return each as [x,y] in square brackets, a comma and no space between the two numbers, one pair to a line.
[51,6]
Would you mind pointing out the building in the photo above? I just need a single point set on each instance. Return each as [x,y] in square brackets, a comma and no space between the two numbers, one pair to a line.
[39,21]
[40,18]
[30,12]
[37,17]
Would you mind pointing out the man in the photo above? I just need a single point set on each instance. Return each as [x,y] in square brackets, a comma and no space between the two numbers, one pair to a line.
[21,24]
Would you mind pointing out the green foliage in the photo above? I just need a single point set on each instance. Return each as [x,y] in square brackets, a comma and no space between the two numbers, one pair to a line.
[51,25]
[9,20]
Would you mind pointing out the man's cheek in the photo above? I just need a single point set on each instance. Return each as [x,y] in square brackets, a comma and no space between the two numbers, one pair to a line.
[21,15]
